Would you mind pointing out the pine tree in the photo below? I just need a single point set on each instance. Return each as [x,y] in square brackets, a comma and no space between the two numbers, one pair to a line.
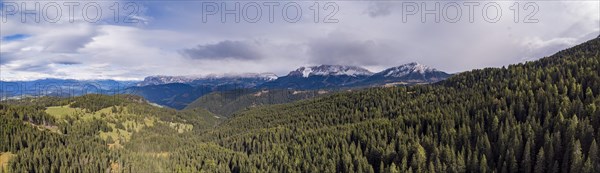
[526,159]
[587,166]
[483,167]
[393,168]
[431,168]
[540,162]
[594,156]
[419,158]
[555,168]
[576,157]
[513,164]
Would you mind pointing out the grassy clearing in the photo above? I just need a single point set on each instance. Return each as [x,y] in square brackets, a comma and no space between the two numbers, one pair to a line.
[4,159]
[60,112]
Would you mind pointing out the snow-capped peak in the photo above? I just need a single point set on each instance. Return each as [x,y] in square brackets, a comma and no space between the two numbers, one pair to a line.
[405,69]
[266,76]
[330,70]
[160,79]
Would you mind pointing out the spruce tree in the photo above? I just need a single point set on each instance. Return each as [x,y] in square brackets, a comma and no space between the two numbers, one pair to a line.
[540,165]
[576,157]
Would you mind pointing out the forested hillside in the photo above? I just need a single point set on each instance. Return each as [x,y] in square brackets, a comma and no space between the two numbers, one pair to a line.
[539,116]
[534,117]
[92,133]
[226,103]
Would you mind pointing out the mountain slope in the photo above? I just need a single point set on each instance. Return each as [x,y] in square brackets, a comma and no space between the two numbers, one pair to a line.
[226,103]
[109,133]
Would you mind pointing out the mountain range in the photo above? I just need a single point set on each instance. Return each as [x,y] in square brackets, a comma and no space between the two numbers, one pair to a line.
[179,91]
[337,76]
[312,77]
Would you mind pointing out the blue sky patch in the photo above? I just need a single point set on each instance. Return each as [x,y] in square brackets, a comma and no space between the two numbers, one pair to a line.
[15,37]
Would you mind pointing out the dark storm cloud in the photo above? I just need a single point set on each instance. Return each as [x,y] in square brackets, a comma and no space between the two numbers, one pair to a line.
[227,49]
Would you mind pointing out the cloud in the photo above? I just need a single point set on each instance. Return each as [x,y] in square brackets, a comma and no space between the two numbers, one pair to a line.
[42,68]
[57,38]
[240,50]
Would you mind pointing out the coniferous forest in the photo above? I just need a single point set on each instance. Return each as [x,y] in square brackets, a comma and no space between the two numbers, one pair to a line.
[539,116]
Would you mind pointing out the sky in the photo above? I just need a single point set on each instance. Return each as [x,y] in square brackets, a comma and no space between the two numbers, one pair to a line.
[130,40]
